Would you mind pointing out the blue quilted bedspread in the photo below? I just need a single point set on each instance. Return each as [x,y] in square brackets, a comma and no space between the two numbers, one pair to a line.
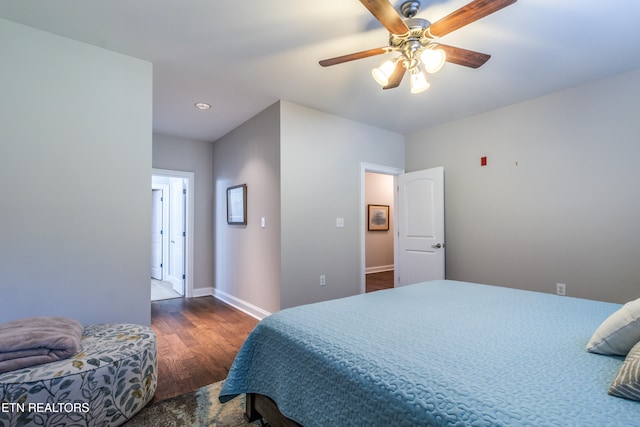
[436,353]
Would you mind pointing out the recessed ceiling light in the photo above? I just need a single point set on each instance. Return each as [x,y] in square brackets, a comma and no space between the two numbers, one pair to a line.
[202,105]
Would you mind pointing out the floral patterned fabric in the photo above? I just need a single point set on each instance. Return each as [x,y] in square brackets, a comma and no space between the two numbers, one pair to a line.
[112,378]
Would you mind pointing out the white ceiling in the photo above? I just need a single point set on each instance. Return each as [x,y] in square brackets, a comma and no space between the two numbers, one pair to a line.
[242,56]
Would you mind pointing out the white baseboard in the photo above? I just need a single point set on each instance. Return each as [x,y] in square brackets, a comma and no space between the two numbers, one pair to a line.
[379,269]
[202,292]
[241,305]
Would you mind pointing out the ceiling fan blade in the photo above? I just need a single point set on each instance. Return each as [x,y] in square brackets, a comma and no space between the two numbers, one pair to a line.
[473,11]
[396,76]
[354,56]
[387,15]
[468,58]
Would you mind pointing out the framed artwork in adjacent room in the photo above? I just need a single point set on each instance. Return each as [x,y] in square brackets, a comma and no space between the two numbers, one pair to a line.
[378,217]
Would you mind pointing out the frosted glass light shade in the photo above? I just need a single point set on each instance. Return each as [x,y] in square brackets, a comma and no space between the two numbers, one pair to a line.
[433,59]
[418,82]
[383,72]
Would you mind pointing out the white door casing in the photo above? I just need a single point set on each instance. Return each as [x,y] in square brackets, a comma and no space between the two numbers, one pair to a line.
[156,234]
[420,226]
[177,236]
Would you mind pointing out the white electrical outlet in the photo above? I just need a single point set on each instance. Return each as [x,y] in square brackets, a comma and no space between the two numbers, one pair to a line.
[323,280]
[561,289]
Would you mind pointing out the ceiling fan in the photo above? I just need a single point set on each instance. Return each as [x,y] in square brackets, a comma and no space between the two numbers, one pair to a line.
[415,41]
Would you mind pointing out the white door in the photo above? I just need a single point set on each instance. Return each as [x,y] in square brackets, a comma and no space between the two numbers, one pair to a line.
[177,236]
[156,234]
[420,225]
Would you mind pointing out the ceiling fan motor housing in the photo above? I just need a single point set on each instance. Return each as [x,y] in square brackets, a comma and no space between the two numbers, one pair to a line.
[417,32]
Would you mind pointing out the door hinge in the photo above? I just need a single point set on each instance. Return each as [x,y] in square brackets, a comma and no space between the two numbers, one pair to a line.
[161,231]
[184,191]
[162,199]
[160,265]
[184,234]
[184,277]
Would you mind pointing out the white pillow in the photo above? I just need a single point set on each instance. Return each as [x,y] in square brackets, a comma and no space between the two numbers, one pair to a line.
[619,332]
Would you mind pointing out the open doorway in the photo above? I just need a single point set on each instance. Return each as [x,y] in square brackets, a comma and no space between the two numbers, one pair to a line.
[379,241]
[378,207]
[418,229]
[171,240]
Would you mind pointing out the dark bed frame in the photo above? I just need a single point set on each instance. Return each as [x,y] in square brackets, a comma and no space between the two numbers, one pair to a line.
[259,406]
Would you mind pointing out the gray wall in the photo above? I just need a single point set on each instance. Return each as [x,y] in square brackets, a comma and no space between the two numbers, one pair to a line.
[187,155]
[75,160]
[321,156]
[302,169]
[379,243]
[247,258]
[559,200]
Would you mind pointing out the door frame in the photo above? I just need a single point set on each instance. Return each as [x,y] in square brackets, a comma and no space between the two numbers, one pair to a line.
[384,170]
[154,211]
[189,247]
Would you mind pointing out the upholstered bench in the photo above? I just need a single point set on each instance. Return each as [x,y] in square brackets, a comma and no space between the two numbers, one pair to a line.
[112,378]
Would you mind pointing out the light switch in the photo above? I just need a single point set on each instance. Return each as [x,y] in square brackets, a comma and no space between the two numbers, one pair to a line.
[263,222]
[339,222]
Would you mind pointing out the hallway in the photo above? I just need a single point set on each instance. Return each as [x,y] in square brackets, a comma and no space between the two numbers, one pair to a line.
[161,290]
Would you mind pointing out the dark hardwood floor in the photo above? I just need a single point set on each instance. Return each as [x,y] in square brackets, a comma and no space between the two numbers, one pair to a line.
[379,281]
[198,338]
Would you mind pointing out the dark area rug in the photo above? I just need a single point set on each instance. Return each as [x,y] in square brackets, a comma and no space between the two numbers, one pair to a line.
[195,409]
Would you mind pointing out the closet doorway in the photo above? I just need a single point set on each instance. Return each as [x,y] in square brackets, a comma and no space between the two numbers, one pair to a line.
[171,240]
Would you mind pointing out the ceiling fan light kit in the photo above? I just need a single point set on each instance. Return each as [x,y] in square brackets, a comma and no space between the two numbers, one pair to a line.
[384,72]
[433,59]
[415,49]
[418,81]
[414,40]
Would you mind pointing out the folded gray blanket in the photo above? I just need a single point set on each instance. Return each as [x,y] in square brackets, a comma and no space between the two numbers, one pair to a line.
[37,340]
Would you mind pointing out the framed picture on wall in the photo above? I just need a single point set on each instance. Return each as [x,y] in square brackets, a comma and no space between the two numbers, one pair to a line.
[237,205]
[378,217]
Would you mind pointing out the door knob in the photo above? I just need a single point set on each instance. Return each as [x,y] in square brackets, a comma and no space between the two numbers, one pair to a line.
[436,246]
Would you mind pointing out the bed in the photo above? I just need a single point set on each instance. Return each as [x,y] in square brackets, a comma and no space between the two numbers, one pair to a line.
[434,353]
